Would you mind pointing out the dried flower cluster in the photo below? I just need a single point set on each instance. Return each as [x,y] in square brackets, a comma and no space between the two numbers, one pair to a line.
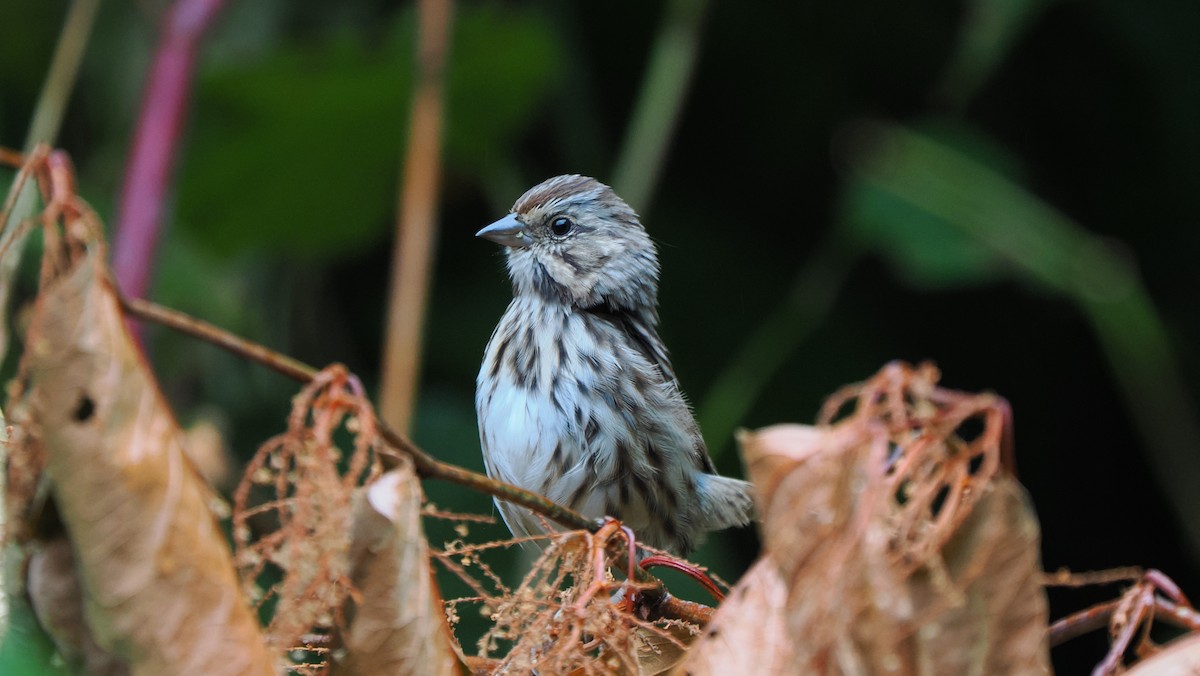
[303,528]
[569,614]
[942,448]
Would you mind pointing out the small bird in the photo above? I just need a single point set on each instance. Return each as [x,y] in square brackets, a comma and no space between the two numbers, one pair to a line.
[576,396]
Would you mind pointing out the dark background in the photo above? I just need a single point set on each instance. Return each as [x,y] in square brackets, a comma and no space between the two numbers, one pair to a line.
[281,218]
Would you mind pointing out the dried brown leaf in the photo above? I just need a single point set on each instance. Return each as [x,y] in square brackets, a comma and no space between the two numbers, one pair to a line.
[979,608]
[660,650]
[892,545]
[1180,657]
[57,600]
[161,587]
[787,611]
[396,625]
[749,632]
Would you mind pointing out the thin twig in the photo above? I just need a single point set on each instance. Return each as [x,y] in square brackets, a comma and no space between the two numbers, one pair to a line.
[1068,578]
[426,465]
[655,597]
[1178,615]
[43,128]
[416,221]
[1082,622]
[60,79]
[1139,607]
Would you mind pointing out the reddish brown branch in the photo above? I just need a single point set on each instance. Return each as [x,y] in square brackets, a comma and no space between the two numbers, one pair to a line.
[55,180]
[1082,622]
[655,596]
[1183,617]
[52,173]
[427,466]
[1154,596]
[1068,578]
[687,569]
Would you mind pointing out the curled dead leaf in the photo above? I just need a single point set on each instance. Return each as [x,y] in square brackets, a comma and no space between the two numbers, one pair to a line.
[892,544]
[1180,657]
[160,584]
[749,632]
[57,600]
[395,624]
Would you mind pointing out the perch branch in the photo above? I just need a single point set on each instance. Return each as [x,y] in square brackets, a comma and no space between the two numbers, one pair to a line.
[52,173]
[654,597]
[427,466]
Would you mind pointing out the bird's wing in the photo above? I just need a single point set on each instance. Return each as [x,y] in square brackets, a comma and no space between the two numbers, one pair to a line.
[640,329]
[642,335]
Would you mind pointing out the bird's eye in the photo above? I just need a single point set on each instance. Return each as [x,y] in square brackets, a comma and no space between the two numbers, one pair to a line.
[561,226]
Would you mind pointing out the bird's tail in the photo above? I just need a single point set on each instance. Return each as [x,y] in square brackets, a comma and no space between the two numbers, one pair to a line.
[725,502]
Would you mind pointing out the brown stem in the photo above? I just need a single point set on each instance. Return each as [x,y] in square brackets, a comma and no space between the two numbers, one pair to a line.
[1082,622]
[1181,616]
[679,609]
[1099,615]
[416,221]
[656,596]
[1067,578]
[426,465]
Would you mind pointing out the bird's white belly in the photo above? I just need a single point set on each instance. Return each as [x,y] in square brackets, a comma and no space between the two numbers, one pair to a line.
[520,432]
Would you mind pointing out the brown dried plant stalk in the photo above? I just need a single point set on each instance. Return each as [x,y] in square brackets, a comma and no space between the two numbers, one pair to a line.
[1152,596]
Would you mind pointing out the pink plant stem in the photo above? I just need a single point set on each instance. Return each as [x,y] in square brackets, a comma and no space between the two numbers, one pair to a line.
[155,141]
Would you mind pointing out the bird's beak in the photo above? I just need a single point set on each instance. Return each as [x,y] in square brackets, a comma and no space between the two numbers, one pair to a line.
[507,231]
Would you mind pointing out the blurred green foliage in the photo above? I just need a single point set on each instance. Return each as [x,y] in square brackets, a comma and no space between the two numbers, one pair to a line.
[847,184]
[332,111]
[26,649]
[926,249]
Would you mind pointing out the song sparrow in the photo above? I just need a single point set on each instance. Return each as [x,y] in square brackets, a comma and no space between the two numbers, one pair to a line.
[576,397]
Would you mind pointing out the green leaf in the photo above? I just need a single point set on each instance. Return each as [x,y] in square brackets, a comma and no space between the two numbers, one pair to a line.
[927,249]
[25,648]
[989,30]
[301,151]
[503,66]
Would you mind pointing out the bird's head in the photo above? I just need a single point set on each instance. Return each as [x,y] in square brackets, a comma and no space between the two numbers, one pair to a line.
[571,240]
